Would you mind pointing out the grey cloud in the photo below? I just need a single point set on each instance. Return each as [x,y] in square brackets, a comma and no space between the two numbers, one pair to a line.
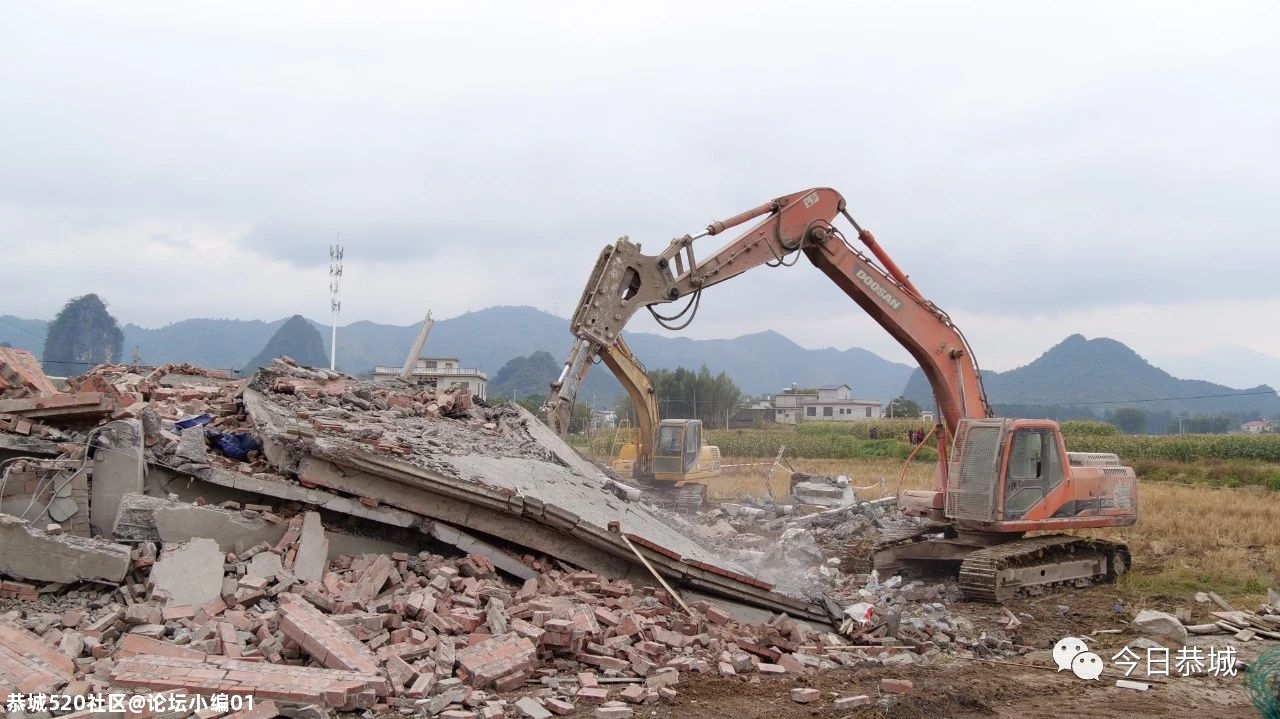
[1008,168]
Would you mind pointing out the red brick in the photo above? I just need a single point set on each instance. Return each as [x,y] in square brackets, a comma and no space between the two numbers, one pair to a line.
[261,710]
[134,644]
[854,702]
[29,663]
[321,637]
[502,656]
[556,705]
[593,695]
[21,374]
[895,686]
[805,695]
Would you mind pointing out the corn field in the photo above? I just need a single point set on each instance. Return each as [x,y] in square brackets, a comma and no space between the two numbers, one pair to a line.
[851,440]
[1182,447]
[862,429]
[814,445]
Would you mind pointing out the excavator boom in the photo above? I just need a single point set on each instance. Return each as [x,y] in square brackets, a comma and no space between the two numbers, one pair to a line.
[1007,476]
[625,280]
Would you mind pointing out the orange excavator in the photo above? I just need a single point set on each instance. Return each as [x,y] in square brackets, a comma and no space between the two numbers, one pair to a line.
[997,479]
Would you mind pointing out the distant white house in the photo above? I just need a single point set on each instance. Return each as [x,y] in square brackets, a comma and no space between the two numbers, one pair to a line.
[831,403]
[601,420]
[1256,426]
[445,372]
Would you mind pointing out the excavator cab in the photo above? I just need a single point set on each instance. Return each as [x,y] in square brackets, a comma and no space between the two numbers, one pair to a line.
[676,451]
[1009,475]
[680,458]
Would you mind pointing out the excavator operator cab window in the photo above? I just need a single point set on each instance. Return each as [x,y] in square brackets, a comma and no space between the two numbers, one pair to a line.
[669,440]
[692,443]
[1034,470]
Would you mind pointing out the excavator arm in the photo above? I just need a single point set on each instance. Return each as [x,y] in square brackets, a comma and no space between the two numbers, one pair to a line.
[1010,476]
[624,280]
[618,358]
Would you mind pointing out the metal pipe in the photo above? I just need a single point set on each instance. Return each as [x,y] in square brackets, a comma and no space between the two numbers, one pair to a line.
[890,266]
[716,228]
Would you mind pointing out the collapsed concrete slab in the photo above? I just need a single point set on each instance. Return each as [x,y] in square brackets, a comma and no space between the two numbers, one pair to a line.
[189,574]
[118,468]
[66,406]
[146,518]
[16,444]
[156,519]
[30,553]
[513,479]
[271,486]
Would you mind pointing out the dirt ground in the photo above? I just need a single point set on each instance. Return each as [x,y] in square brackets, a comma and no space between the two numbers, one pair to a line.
[1021,688]
[961,689]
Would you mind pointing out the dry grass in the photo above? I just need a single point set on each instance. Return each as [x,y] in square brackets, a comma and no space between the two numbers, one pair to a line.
[1188,538]
[1194,538]
[749,479]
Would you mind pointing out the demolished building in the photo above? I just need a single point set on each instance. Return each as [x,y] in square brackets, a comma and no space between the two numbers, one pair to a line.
[380,544]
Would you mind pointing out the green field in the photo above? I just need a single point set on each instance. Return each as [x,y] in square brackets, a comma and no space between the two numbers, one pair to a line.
[1214,459]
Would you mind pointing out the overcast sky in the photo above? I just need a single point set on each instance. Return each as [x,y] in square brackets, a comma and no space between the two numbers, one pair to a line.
[1039,169]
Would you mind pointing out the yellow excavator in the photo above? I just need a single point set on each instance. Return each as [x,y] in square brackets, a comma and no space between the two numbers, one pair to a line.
[668,457]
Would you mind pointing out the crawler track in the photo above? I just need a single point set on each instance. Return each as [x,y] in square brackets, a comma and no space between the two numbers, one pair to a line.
[1035,565]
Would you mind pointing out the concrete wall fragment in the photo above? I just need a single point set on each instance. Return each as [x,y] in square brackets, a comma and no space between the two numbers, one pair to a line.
[30,553]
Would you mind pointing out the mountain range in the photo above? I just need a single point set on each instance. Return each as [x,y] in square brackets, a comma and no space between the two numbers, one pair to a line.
[760,363]
[1092,374]
[1096,375]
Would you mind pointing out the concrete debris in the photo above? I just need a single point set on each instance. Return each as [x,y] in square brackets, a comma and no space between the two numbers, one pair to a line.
[288,536]
[1246,625]
[821,491]
[1130,684]
[1161,624]
[895,686]
[313,550]
[804,695]
[119,468]
[853,702]
[193,447]
[190,573]
[34,554]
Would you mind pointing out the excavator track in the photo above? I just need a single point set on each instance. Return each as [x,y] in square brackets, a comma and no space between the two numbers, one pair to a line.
[687,498]
[860,558]
[690,497]
[1034,565]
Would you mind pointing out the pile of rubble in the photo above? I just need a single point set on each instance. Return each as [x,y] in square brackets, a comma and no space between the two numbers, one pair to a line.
[325,542]
[411,633]
[827,554]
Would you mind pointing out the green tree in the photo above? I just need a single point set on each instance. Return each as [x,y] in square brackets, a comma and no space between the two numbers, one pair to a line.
[684,394]
[83,335]
[531,402]
[1217,424]
[902,407]
[578,418]
[1129,419]
[521,376]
